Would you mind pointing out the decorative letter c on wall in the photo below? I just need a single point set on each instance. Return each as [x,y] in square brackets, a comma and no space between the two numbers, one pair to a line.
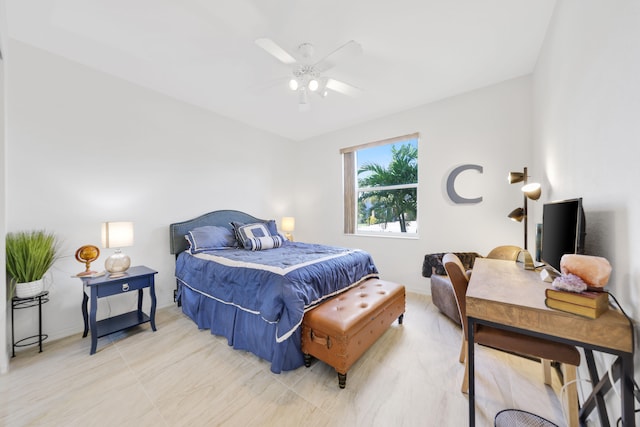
[451,191]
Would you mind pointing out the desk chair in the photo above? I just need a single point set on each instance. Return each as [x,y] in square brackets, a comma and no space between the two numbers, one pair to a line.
[507,252]
[513,342]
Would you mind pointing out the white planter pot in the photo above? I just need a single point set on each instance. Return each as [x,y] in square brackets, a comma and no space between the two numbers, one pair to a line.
[29,289]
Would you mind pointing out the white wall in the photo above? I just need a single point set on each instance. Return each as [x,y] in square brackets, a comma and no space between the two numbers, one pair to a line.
[84,147]
[488,127]
[586,124]
[4,317]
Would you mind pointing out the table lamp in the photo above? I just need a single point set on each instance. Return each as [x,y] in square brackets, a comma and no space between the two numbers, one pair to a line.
[288,225]
[117,235]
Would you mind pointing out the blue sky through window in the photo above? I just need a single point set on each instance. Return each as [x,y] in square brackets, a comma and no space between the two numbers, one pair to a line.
[380,155]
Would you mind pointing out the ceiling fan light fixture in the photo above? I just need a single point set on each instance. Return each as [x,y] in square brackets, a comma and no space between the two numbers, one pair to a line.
[308,71]
[303,100]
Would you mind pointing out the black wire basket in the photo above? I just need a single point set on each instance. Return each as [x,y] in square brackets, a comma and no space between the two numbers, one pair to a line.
[519,418]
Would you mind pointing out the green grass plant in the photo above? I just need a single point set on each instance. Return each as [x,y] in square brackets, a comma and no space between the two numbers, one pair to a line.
[30,254]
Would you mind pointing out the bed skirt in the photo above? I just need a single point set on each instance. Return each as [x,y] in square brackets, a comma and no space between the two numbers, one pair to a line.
[243,330]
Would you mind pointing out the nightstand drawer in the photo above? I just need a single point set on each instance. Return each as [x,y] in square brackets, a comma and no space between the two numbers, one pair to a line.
[123,286]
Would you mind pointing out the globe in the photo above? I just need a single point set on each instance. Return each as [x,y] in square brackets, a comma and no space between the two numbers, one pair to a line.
[87,254]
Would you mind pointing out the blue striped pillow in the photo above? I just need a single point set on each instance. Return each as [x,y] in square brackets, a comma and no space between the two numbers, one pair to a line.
[261,243]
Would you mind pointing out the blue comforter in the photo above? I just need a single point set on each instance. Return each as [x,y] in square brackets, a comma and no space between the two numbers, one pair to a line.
[276,284]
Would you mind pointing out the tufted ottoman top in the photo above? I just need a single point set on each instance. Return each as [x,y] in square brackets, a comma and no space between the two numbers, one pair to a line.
[358,305]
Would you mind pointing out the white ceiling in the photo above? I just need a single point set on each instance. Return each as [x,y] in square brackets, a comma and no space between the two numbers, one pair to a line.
[203,51]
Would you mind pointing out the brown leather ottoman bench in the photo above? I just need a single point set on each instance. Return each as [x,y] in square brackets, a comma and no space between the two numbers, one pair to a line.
[341,329]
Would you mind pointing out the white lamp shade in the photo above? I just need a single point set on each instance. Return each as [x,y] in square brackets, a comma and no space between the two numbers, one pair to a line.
[532,190]
[117,234]
[288,224]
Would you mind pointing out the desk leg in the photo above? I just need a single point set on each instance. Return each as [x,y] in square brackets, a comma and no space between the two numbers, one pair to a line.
[626,382]
[472,382]
[623,371]
[85,314]
[595,379]
[152,313]
[92,319]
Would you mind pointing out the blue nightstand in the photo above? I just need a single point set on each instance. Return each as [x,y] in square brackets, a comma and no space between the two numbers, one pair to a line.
[136,278]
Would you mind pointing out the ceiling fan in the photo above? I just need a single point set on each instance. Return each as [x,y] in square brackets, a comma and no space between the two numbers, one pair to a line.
[308,73]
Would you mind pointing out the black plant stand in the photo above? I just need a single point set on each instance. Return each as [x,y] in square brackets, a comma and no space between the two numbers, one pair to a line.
[28,302]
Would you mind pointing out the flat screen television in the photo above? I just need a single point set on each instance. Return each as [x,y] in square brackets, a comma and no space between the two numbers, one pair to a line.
[563,230]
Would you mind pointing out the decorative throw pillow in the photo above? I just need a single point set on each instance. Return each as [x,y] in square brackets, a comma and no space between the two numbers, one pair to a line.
[235,226]
[210,237]
[261,243]
[272,227]
[258,236]
[249,231]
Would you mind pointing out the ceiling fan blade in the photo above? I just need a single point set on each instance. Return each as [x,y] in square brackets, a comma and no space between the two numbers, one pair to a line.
[272,48]
[269,84]
[342,87]
[347,50]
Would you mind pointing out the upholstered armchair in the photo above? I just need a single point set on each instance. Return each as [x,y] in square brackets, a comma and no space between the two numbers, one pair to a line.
[442,294]
[441,290]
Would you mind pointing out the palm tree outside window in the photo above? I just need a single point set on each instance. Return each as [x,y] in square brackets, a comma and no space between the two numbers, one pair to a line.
[381,187]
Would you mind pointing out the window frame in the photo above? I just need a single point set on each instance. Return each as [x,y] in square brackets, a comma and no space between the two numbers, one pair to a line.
[351,189]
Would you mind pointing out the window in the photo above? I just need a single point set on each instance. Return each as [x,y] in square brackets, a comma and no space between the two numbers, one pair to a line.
[381,187]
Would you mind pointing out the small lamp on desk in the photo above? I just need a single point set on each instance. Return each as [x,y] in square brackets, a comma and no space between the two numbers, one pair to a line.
[288,225]
[524,257]
[117,235]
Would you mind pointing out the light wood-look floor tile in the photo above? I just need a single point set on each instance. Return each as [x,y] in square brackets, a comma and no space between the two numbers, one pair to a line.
[182,376]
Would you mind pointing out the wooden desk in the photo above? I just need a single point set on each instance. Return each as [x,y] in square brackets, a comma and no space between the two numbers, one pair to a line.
[503,295]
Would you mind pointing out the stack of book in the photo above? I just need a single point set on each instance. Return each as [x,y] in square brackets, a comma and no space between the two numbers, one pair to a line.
[588,303]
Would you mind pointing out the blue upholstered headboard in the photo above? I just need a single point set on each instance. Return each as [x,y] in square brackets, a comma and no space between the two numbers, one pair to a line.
[221,218]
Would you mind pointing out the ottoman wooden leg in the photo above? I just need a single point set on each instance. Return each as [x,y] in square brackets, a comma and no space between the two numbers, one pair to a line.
[342,380]
[339,339]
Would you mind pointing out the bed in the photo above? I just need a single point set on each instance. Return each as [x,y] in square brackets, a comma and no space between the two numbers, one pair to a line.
[256,298]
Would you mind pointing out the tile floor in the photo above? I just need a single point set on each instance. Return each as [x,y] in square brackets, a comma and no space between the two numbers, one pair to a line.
[181,376]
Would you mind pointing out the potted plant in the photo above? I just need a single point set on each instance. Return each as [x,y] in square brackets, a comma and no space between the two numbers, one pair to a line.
[30,254]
